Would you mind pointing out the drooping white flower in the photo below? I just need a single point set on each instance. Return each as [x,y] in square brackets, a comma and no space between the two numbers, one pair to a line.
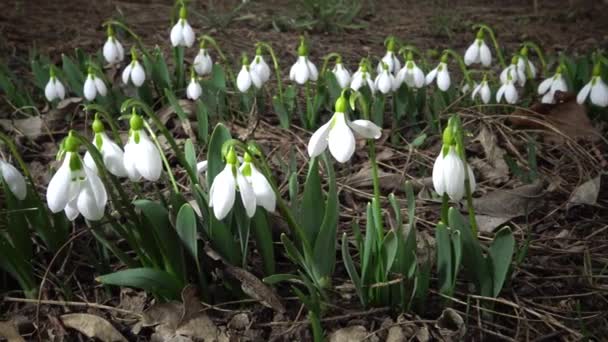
[194,89]
[442,75]
[202,62]
[76,189]
[223,189]
[508,90]
[342,75]
[478,53]
[549,86]
[303,71]
[411,74]
[54,89]
[521,70]
[385,81]
[264,194]
[134,72]
[141,158]
[182,33]
[94,85]
[483,91]
[390,59]
[247,77]
[113,51]
[448,175]
[259,66]
[337,134]
[596,87]
[13,179]
[516,73]
[362,78]
[112,154]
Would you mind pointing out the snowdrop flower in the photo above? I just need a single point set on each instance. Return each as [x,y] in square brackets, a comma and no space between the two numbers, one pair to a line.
[303,70]
[478,52]
[385,81]
[264,194]
[521,69]
[247,77]
[134,71]
[141,158]
[596,87]
[448,174]
[112,154]
[259,66]
[194,89]
[75,188]
[342,74]
[54,89]
[390,59]
[362,78]
[411,74]
[13,179]
[338,136]
[202,62]
[223,189]
[483,91]
[113,51]
[94,85]
[507,89]
[182,33]
[548,87]
[441,74]
[516,73]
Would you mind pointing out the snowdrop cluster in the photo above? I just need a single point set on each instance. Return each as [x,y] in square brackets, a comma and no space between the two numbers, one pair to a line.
[251,184]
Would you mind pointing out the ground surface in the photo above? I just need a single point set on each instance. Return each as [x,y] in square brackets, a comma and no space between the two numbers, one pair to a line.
[558,293]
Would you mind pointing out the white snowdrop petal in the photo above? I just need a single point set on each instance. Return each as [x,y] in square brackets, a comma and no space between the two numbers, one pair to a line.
[476,90]
[130,158]
[138,75]
[90,91]
[223,194]
[113,156]
[472,54]
[341,140]
[438,179]
[247,194]
[188,34]
[511,93]
[126,74]
[312,69]
[243,80]
[453,173]
[256,80]
[418,77]
[485,55]
[318,141]
[486,93]
[544,86]
[472,182]
[583,93]
[49,91]
[176,34]
[89,162]
[71,210]
[59,89]
[148,161]
[201,167]
[302,72]
[500,93]
[366,129]
[264,194]
[57,193]
[599,93]
[100,86]
[88,206]
[430,77]
[110,52]
[443,79]
[14,180]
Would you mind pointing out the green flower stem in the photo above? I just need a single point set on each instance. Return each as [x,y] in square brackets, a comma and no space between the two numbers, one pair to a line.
[467,181]
[108,118]
[277,68]
[222,56]
[445,206]
[317,330]
[404,50]
[309,114]
[539,53]
[326,60]
[461,64]
[178,56]
[163,157]
[489,30]
[133,35]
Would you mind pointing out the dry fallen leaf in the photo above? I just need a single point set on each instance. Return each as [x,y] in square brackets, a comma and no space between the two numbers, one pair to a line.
[565,117]
[586,193]
[8,330]
[493,168]
[92,326]
[31,127]
[451,325]
[349,334]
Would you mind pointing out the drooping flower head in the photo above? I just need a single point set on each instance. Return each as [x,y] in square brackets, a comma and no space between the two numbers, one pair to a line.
[94,86]
[516,73]
[478,52]
[113,52]
[264,194]
[385,81]
[112,154]
[141,158]
[390,58]
[441,74]
[259,66]
[54,89]
[549,86]
[134,71]
[507,90]
[525,67]
[411,74]
[362,78]
[303,70]
[182,33]
[337,134]
[194,89]
[247,77]
[449,168]
[13,180]
[596,89]
[202,62]
[223,189]
[75,188]
[341,74]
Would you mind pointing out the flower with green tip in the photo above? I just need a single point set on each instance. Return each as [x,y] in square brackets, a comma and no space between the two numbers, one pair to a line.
[13,179]
[182,33]
[362,78]
[264,194]
[508,91]
[113,52]
[478,52]
[549,86]
[303,69]
[54,89]
[342,75]
[222,193]
[202,62]
[390,59]
[448,174]
[441,74]
[141,158]
[259,66]
[513,71]
[596,89]
[134,72]
[247,77]
[483,91]
[112,154]
[194,89]
[385,81]
[93,86]
[411,74]
[75,188]
[337,134]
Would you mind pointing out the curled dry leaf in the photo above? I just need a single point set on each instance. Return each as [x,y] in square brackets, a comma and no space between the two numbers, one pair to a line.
[8,331]
[92,326]
[31,127]
[349,334]
[586,193]
[493,168]
[564,118]
[451,325]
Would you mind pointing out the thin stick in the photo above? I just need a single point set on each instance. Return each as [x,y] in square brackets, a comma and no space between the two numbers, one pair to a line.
[70,303]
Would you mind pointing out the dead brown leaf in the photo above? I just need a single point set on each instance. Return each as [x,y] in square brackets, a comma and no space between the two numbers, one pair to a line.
[8,330]
[92,326]
[451,325]
[30,127]
[349,334]
[586,193]
[565,117]
[493,168]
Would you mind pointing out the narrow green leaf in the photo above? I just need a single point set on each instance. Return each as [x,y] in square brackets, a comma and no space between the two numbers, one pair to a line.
[185,225]
[279,278]
[325,242]
[263,238]
[390,246]
[313,204]
[501,254]
[74,76]
[352,271]
[175,104]
[190,156]
[202,119]
[149,279]
[444,259]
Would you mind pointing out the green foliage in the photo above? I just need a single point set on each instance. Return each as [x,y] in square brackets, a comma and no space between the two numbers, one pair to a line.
[325,16]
